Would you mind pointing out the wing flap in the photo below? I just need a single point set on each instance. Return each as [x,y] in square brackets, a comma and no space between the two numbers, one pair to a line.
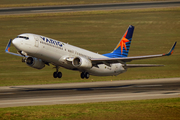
[142,65]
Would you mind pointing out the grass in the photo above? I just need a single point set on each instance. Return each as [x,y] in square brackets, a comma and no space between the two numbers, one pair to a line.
[99,31]
[26,3]
[159,109]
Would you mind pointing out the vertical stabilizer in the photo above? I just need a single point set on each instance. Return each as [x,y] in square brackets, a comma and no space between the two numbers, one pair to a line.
[122,48]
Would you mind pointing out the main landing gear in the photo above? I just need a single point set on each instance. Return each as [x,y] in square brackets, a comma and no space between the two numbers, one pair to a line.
[84,75]
[57,74]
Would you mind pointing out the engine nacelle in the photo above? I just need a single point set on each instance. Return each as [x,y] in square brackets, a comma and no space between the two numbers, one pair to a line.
[81,62]
[35,62]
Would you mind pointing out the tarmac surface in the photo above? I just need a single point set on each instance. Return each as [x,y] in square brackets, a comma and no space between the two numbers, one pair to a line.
[89,7]
[73,93]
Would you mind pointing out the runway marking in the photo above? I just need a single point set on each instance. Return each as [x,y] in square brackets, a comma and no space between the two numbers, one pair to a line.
[80,98]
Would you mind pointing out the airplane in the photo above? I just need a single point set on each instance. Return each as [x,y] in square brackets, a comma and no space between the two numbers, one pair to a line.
[37,51]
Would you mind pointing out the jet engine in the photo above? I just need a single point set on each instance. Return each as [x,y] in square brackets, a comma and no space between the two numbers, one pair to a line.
[81,62]
[35,62]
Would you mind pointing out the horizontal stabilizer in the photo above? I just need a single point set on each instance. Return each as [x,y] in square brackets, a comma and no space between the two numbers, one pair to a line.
[142,65]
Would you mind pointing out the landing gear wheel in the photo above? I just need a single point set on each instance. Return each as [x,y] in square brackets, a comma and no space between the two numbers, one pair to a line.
[55,74]
[84,75]
[59,75]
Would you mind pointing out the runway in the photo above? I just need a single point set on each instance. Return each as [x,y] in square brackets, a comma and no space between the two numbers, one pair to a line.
[90,7]
[70,93]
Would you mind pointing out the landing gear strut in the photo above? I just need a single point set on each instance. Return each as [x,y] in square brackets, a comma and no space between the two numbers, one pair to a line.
[84,75]
[24,59]
[57,74]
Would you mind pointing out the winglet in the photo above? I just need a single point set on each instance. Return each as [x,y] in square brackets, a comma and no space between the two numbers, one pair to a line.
[171,51]
[7,50]
[8,46]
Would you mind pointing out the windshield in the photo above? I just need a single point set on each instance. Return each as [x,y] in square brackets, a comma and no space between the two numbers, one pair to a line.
[23,37]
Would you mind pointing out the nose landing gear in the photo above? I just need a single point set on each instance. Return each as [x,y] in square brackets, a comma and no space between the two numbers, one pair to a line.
[84,75]
[57,74]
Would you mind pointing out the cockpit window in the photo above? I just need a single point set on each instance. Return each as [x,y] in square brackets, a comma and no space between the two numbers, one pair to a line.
[23,37]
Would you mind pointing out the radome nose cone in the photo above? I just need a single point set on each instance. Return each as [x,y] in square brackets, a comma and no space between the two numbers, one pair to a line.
[14,42]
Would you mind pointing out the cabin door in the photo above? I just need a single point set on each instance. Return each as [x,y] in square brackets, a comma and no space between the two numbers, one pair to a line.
[36,41]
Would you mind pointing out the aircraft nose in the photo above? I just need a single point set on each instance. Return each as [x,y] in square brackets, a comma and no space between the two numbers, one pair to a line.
[15,42]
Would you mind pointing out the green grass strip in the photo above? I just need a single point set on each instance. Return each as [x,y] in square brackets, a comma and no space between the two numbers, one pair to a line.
[158,109]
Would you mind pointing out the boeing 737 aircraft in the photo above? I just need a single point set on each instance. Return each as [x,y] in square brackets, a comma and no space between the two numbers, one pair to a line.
[38,51]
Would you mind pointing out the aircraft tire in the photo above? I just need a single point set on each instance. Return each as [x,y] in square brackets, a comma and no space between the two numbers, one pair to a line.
[86,75]
[55,74]
[82,75]
[59,74]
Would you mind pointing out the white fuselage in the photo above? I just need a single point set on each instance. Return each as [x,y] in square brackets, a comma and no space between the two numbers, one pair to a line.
[60,54]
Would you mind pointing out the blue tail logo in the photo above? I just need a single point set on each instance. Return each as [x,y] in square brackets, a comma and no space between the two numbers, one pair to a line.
[122,48]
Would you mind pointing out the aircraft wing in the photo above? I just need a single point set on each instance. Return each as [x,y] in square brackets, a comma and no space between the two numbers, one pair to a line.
[108,61]
[7,50]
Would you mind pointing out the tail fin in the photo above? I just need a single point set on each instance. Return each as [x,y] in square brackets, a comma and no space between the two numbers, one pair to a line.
[122,48]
